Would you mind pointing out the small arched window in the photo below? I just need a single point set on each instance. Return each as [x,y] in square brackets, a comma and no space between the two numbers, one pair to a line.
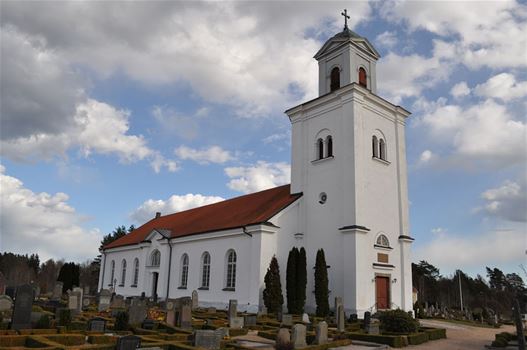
[363,80]
[136,272]
[382,149]
[112,276]
[329,146]
[205,270]
[155,258]
[184,271]
[382,241]
[123,272]
[335,79]
[231,270]
[320,148]
[375,146]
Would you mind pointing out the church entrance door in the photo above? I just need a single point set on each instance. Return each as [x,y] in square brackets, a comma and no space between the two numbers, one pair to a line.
[382,285]
[155,277]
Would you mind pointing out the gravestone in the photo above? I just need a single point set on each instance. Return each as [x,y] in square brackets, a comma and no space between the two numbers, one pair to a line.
[36,291]
[283,336]
[21,318]
[233,308]
[170,307]
[6,303]
[236,322]
[340,319]
[287,319]
[279,315]
[195,301]
[338,301]
[353,318]
[305,318]
[223,332]
[128,342]
[97,324]
[2,283]
[367,319]
[57,291]
[208,339]
[321,333]
[86,290]
[249,320]
[85,302]
[298,336]
[185,312]
[104,300]
[75,300]
[117,302]
[148,324]
[373,327]
[137,311]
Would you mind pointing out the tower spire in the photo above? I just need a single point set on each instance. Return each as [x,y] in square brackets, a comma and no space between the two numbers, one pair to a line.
[346,17]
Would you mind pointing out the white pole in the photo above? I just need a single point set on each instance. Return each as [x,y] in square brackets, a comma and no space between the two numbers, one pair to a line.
[460,290]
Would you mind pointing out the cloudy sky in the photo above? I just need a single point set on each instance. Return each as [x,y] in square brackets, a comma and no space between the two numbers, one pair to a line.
[111,111]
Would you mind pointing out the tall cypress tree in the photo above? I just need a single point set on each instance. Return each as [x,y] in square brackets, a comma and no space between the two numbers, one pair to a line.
[301,280]
[321,284]
[291,281]
[272,294]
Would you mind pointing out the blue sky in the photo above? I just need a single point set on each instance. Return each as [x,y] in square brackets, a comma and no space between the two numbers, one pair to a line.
[113,111]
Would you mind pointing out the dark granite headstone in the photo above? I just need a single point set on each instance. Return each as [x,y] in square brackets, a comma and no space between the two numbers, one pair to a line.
[148,324]
[249,320]
[367,319]
[208,339]
[353,318]
[97,324]
[21,318]
[128,342]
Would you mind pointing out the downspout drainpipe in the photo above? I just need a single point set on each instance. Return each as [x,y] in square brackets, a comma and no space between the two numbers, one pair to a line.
[103,269]
[169,265]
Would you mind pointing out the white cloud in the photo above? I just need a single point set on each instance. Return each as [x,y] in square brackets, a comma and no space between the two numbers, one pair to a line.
[438,230]
[175,203]
[261,176]
[451,251]
[502,86]
[42,223]
[285,136]
[509,201]
[460,90]
[213,154]
[426,156]
[386,39]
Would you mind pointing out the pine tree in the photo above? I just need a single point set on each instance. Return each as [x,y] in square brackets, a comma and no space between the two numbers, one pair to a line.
[69,276]
[272,294]
[321,284]
[291,281]
[301,280]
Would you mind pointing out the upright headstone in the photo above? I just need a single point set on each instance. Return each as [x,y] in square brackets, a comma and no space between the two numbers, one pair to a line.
[75,300]
[57,291]
[236,322]
[287,319]
[21,318]
[105,298]
[298,336]
[353,318]
[36,291]
[117,302]
[305,318]
[249,320]
[97,324]
[137,311]
[338,301]
[195,301]
[367,319]
[128,342]
[86,290]
[6,303]
[340,319]
[373,327]
[170,307]
[208,339]
[321,333]
[185,312]
[283,336]
[233,308]
[279,315]
[2,283]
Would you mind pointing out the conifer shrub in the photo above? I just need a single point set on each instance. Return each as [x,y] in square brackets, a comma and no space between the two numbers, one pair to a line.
[272,294]
[321,284]
[398,321]
[291,281]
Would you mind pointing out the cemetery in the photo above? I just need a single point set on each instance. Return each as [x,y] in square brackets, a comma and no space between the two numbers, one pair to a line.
[77,320]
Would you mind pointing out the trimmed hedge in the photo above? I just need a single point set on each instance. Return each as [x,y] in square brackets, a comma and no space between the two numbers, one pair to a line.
[13,340]
[37,331]
[102,339]
[395,341]
[435,333]
[67,339]
[417,338]
[237,332]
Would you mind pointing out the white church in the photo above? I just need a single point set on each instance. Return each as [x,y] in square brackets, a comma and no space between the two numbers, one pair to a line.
[348,196]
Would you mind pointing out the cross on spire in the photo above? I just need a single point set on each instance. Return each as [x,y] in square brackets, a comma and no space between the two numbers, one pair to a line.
[346,17]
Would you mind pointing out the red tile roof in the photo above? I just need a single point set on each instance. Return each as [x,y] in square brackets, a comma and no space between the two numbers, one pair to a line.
[254,208]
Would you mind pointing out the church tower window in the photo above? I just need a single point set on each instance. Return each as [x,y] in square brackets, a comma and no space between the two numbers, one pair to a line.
[136,272]
[184,271]
[155,258]
[382,149]
[375,146]
[205,271]
[231,270]
[123,272]
[363,77]
[329,145]
[382,241]
[320,148]
[335,79]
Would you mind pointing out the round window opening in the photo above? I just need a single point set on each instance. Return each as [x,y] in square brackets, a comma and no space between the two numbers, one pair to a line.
[322,198]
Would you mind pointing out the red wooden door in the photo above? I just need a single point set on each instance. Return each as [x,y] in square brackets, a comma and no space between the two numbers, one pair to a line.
[383,292]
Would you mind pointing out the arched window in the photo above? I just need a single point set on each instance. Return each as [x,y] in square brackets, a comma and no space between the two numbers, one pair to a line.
[184,271]
[231,270]
[382,241]
[375,146]
[320,148]
[113,272]
[136,272]
[362,77]
[205,270]
[382,149]
[123,272]
[329,146]
[335,79]
[155,258]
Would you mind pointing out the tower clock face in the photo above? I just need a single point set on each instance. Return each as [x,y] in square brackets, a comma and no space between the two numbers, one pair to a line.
[323,197]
